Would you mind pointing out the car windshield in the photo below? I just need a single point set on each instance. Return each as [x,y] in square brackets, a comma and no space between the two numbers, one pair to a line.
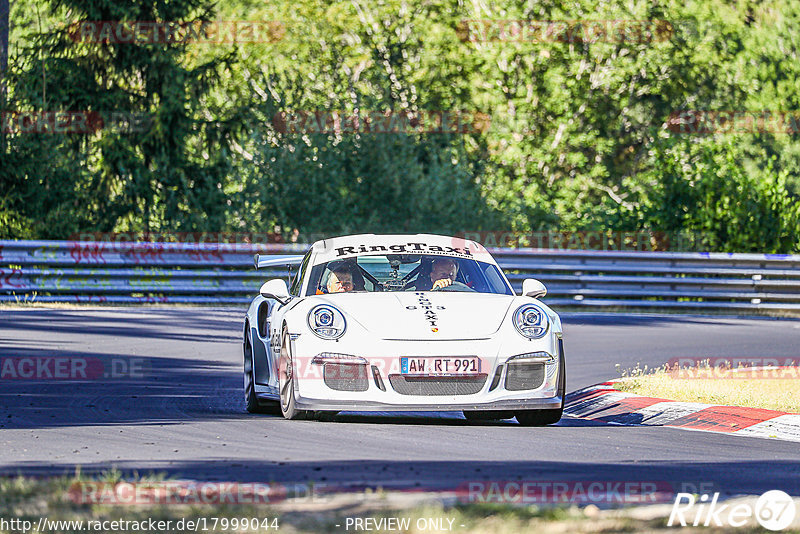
[407,272]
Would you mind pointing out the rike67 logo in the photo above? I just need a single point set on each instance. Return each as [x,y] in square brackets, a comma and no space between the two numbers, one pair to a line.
[774,510]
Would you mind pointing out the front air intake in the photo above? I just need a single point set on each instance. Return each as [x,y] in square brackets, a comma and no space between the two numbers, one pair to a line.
[524,375]
[345,376]
[435,385]
[496,379]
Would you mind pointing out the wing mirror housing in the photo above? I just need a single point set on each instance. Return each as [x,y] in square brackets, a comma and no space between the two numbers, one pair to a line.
[533,288]
[275,289]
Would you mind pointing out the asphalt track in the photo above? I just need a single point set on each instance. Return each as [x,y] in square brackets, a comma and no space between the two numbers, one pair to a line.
[185,415]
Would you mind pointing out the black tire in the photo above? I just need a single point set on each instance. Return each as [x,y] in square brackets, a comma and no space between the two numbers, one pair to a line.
[487,415]
[548,417]
[252,403]
[286,381]
[539,417]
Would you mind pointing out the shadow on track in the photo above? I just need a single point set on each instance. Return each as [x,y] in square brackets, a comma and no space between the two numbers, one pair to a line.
[147,390]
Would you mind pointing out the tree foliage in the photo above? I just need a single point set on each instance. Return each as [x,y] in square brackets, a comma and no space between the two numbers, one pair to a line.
[578,133]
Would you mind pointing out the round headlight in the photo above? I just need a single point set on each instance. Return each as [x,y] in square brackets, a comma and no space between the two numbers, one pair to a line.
[531,321]
[324,317]
[326,322]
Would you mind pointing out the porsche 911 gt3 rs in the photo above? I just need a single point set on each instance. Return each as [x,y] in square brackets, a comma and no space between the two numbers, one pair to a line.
[402,323]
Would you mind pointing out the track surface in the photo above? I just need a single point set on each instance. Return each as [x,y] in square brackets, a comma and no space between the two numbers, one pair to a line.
[186,416]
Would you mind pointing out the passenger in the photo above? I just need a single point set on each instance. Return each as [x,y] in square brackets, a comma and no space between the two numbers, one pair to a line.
[341,280]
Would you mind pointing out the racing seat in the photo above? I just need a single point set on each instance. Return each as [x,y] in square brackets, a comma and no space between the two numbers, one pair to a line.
[423,280]
[358,278]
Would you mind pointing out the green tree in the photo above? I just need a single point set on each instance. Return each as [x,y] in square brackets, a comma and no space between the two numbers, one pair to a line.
[169,174]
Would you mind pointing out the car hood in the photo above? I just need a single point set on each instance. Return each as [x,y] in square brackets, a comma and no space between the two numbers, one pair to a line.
[432,315]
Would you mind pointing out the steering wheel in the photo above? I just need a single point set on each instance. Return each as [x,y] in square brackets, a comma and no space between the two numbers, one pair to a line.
[455,286]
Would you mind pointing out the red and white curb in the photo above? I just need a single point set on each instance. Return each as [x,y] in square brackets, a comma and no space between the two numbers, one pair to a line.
[603,402]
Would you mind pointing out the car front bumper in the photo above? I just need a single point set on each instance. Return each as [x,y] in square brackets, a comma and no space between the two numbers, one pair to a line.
[551,403]
[312,393]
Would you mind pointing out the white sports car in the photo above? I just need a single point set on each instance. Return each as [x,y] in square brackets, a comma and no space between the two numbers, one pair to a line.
[402,323]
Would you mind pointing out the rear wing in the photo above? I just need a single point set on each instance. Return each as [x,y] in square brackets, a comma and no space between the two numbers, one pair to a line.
[261,262]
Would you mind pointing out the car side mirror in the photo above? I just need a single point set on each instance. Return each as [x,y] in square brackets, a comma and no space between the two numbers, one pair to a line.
[533,288]
[275,289]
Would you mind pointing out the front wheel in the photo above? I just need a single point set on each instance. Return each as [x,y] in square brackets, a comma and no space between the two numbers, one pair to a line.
[539,417]
[548,417]
[286,381]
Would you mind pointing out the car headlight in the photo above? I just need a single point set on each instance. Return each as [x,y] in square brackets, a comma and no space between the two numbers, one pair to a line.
[531,321]
[327,322]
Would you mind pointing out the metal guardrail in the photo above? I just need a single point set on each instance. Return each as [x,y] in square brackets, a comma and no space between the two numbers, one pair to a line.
[742,282]
[104,272]
[207,273]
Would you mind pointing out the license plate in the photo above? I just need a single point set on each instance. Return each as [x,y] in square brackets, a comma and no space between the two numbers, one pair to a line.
[440,366]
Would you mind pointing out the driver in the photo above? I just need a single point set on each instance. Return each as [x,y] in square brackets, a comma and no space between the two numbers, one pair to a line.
[443,274]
